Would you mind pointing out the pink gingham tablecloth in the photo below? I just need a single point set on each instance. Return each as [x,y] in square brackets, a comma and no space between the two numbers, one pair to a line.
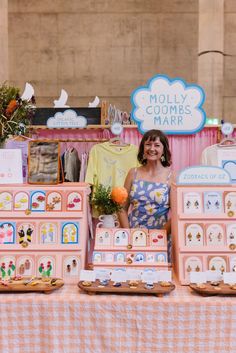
[70,321]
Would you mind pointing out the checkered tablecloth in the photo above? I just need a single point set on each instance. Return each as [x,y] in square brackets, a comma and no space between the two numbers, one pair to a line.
[69,321]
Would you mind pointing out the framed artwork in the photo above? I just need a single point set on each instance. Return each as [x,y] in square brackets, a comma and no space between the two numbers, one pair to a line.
[44,165]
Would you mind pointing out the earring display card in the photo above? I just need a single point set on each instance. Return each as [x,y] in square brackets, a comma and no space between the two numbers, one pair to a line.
[215,235]
[71,266]
[217,263]
[192,264]
[5,201]
[230,203]
[37,201]
[213,202]
[120,257]
[54,201]
[103,238]
[74,202]
[70,232]
[157,237]
[192,203]
[232,263]
[26,265]
[7,232]
[25,233]
[231,235]
[21,201]
[121,237]
[139,238]
[194,235]
[48,232]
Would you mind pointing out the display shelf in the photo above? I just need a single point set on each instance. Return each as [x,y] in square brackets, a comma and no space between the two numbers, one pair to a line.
[40,232]
[203,228]
[124,248]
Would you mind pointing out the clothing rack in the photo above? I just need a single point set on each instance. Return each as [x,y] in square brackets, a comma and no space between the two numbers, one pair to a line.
[73,140]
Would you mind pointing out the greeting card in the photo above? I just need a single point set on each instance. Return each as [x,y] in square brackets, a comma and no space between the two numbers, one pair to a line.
[192,203]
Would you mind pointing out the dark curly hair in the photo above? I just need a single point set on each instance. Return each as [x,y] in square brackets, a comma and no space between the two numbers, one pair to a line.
[152,135]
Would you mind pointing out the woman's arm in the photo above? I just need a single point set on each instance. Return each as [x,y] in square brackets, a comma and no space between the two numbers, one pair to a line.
[123,214]
[167,226]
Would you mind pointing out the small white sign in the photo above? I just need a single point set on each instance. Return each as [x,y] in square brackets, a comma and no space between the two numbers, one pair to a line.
[227,129]
[134,275]
[116,128]
[165,276]
[67,119]
[102,274]
[198,277]
[86,275]
[150,277]
[202,175]
[229,277]
[213,276]
[118,276]
[11,166]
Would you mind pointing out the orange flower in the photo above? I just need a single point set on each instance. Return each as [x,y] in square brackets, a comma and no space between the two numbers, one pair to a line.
[119,194]
[12,105]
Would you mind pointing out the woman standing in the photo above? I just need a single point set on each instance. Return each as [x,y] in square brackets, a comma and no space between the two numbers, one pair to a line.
[148,186]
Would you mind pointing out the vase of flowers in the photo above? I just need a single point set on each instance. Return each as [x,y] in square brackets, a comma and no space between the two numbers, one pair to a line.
[15,114]
[107,202]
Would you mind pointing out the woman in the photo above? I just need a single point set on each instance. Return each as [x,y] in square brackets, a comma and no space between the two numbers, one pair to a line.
[149,185]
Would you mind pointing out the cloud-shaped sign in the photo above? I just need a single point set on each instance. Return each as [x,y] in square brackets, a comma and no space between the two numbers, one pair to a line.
[172,106]
[67,119]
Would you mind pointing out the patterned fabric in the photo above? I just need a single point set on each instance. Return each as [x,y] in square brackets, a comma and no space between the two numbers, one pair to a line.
[69,321]
[150,204]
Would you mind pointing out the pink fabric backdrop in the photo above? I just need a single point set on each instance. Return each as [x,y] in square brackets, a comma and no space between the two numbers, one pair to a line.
[186,149]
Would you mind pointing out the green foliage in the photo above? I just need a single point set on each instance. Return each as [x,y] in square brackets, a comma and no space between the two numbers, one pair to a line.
[15,114]
[102,201]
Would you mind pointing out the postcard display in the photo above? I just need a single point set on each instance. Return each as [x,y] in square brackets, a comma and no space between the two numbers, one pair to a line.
[43,230]
[130,248]
[203,228]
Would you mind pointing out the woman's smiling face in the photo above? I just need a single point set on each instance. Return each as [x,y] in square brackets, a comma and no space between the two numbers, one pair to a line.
[153,150]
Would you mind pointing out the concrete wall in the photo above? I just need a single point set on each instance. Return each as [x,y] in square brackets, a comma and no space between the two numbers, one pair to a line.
[230,61]
[100,47]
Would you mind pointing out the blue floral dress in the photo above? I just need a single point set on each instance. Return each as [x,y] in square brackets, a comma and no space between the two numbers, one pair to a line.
[149,204]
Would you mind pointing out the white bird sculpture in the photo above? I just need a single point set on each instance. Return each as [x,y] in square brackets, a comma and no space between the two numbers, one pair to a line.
[28,92]
[94,103]
[61,101]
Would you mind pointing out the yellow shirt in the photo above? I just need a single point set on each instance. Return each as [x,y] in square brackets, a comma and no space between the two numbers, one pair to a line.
[109,164]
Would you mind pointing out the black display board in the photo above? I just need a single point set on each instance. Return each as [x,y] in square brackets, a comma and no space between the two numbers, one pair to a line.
[93,115]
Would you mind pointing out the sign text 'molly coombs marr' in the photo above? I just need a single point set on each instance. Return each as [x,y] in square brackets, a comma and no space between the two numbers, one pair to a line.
[169,105]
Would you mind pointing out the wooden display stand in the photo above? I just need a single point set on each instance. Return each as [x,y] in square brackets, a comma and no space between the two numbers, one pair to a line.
[31,284]
[130,248]
[203,228]
[43,230]
[158,289]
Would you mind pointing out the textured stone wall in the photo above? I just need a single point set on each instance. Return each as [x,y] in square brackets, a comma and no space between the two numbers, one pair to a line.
[230,61]
[100,47]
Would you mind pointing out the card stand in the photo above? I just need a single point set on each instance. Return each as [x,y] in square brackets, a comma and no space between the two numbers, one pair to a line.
[39,221]
[208,288]
[31,284]
[205,235]
[137,287]
[136,248]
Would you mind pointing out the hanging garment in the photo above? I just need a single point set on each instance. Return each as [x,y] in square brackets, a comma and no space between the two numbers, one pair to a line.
[71,165]
[109,164]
